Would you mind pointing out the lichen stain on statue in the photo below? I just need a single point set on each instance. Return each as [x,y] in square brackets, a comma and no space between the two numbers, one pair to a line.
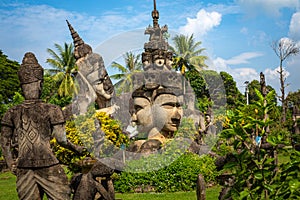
[26,130]
[95,86]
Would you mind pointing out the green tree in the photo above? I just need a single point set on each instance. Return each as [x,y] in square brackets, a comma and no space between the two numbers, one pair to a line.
[64,69]
[50,93]
[132,65]
[254,167]
[233,96]
[187,53]
[255,85]
[9,84]
[208,87]
[198,84]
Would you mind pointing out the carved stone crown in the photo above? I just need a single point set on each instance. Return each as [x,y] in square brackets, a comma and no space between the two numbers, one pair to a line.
[30,70]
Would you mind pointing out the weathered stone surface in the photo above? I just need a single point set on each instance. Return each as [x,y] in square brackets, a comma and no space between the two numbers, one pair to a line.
[26,131]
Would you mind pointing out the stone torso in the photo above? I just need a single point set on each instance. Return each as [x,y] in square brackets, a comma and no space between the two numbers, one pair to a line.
[33,123]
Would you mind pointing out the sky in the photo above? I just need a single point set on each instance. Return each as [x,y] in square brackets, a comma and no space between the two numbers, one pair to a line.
[236,34]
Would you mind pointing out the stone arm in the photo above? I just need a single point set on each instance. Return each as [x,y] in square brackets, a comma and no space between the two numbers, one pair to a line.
[61,138]
[6,144]
[202,126]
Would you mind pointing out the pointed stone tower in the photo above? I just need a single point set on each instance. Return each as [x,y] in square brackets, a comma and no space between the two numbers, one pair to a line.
[156,55]
[81,49]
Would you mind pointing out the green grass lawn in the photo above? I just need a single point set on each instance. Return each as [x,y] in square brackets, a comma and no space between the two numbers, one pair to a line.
[8,192]
[211,194]
[8,186]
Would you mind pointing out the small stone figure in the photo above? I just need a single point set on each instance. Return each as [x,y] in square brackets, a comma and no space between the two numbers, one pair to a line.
[27,130]
[208,130]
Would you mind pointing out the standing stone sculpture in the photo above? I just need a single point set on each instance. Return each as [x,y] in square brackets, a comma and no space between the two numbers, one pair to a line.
[26,131]
[209,130]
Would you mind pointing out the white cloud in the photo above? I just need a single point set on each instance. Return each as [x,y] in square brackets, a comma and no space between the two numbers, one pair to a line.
[240,75]
[203,23]
[243,58]
[37,27]
[294,31]
[269,7]
[244,30]
[293,67]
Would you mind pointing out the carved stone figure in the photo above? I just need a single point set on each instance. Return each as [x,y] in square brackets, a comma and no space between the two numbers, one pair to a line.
[208,130]
[25,139]
[157,113]
[158,94]
[156,55]
[96,180]
[95,87]
[92,77]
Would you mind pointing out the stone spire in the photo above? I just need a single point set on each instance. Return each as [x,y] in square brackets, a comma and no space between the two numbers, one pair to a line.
[156,55]
[80,48]
[155,15]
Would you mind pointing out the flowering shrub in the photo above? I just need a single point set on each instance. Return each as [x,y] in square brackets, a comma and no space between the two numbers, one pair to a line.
[81,131]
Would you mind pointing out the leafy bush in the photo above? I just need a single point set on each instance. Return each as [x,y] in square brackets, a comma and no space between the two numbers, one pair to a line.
[255,171]
[180,175]
[80,132]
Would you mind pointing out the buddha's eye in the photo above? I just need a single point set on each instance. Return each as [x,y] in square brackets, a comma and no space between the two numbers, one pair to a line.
[137,108]
[100,81]
[159,62]
[171,105]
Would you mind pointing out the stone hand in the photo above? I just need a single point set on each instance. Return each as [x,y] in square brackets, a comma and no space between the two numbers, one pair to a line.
[13,167]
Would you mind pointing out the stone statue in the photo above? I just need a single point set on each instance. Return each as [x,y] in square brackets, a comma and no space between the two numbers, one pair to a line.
[208,130]
[27,130]
[95,87]
[158,94]
[96,181]
[156,55]
[156,112]
[92,77]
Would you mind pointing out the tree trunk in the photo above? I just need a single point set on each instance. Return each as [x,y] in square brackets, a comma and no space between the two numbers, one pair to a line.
[282,89]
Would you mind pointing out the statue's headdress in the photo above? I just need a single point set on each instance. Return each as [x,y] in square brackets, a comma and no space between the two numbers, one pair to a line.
[81,49]
[30,70]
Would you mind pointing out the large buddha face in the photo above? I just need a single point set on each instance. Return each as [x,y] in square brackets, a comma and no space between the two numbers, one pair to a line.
[142,114]
[168,111]
[162,112]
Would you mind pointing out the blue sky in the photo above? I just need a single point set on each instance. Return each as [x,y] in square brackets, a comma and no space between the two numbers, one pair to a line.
[237,34]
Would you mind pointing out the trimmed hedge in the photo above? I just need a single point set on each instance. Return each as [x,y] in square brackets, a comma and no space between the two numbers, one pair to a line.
[180,175]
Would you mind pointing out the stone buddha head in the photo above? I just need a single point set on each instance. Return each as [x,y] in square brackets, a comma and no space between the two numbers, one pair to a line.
[31,77]
[156,109]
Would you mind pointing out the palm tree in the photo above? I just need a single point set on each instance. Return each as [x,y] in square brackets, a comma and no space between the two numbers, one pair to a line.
[187,54]
[64,69]
[132,65]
